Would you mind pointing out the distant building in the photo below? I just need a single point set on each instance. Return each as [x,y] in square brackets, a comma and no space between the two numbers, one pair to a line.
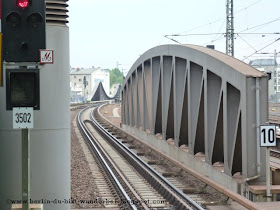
[269,66]
[93,76]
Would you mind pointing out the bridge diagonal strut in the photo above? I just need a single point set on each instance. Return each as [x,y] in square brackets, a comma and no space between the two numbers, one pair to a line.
[199,99]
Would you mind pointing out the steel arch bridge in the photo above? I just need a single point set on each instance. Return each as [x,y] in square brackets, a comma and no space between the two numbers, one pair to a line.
[203,99]
[99,94]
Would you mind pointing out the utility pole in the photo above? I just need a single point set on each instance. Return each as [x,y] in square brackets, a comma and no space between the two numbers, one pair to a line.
[85,85]
[118,64]
[229,29]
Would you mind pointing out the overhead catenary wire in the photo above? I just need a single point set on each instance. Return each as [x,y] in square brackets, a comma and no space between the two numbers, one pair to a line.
[222,18]
[208,34]
[241,32]
[277,19]
[219,36]
[266,53]
[217,39]
[220,29]
[246,42]
[172,39]
[261,49]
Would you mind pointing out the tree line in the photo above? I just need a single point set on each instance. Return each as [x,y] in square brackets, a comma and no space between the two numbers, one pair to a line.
[116,76]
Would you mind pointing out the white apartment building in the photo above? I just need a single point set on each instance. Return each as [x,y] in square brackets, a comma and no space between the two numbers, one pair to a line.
[270,67]
[92,76]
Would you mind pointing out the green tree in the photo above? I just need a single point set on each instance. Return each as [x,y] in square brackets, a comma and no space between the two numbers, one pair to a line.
[115,76]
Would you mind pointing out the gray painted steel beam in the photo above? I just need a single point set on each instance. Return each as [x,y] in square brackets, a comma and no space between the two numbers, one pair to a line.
[202,99]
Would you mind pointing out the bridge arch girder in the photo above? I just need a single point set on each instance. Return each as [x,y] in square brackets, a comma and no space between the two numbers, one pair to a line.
[99,93]
[200,98]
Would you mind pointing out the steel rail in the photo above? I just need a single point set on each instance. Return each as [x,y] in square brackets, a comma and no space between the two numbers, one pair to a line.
[90,139]
[167,190]
[274,153]
[229,193]
[122,177]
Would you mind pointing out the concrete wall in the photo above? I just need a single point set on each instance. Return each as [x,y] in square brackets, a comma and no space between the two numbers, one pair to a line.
[50,138]
[187,159]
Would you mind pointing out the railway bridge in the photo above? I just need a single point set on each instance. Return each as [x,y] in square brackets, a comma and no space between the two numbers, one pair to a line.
[201,107]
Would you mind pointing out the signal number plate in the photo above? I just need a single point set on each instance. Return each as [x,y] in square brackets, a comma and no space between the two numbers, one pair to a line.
[22,117]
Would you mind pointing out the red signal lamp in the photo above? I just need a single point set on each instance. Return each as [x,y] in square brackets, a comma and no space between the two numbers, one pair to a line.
[23,3]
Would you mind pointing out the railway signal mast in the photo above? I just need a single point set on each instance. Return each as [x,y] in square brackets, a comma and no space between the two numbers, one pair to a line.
[24,35]
[229,29]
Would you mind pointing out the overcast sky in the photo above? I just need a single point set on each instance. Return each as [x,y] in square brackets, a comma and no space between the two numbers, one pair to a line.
[104,32]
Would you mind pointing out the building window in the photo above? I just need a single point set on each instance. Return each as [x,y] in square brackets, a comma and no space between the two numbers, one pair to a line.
[251,196]
[98,80]
[74,77]
[80,80]
[277,197]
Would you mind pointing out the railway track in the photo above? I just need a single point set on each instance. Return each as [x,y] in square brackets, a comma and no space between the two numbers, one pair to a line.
[275,153]
[134,183]
[201,192]
[274,158]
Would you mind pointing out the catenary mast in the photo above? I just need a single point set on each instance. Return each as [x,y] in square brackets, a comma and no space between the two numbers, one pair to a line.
[229,29]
